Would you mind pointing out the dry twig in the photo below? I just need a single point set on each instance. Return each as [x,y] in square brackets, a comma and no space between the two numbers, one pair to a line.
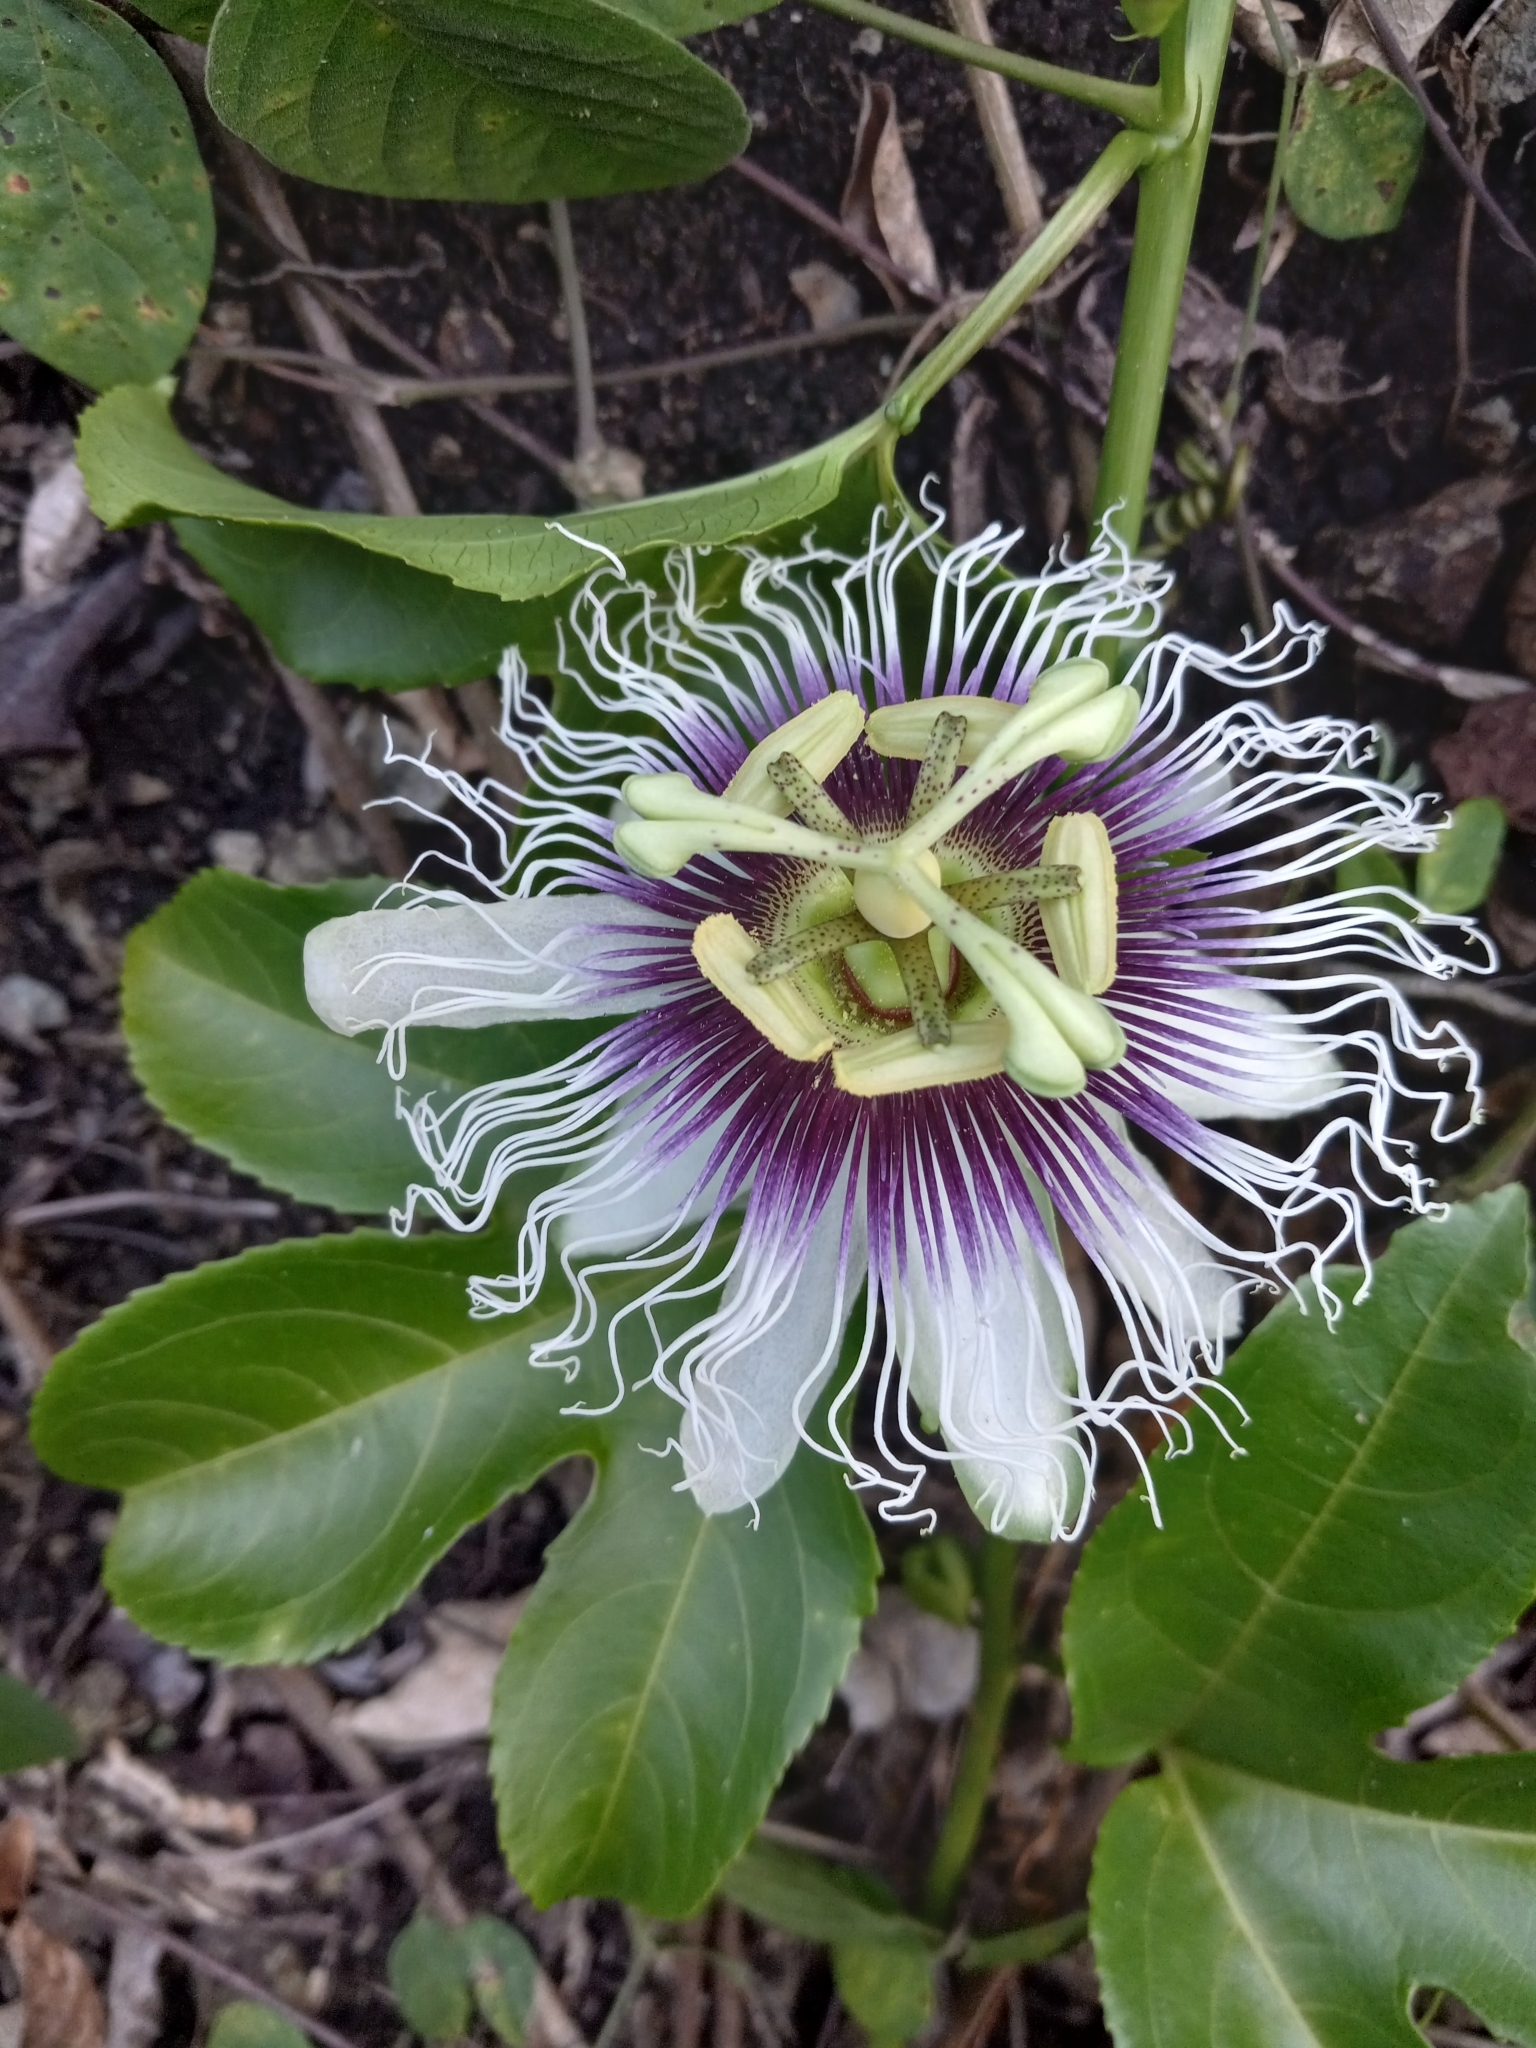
[170,1201]
[1020,188]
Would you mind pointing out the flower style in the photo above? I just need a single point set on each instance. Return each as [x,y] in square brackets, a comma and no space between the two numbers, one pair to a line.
[901,918]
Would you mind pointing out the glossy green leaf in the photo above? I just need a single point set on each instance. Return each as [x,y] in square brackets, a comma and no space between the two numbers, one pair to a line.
[106,225]
[1230,1909]
[428,1977]
[470,99]
[338,614]
[138,467]
[1458,871]
[1354,154]
[31,1731]
[247,2025]
[667,1669]
[503,1971]
[301,1431]
[1373,1544]
[226,1046]
[1281,1880]
[191,18]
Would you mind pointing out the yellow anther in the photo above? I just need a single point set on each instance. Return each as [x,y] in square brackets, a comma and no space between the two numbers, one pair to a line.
[902,731]
[818,737]
[901,1063]
[723,951]
[1082,930]
[887,904]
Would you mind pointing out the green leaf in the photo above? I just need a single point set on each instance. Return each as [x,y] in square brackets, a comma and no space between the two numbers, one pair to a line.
[31,1731]
[1354,154]
[246,2025]
[106,225]
[665,1671]
[1230,1909]
[470,99]
[427,1976]
[1458,871]
[820,1901]
[1281,1880]
[1369,1549]
[192,18]
[302,1431]
[338,614]
[226,1046]
[503,1971]
[887,1987]
[138,467]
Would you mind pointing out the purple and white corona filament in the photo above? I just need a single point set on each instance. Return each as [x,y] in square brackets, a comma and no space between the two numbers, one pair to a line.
[906,922]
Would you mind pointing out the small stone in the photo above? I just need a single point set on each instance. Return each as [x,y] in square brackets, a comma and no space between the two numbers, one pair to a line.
[141,790]
[29,1007]
[869,42]
[242,852]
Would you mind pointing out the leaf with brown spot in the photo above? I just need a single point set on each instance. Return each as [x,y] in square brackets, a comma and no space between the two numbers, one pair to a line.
[64,2009]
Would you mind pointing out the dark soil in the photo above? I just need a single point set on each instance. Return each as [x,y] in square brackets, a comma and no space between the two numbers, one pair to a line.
[174,751]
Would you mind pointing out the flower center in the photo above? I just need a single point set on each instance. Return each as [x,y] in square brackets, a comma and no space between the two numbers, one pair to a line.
[882,913]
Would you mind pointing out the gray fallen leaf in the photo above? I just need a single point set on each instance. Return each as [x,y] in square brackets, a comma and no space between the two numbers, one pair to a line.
[1348,39]
[910,1662]
[1504,54]
[59,532]
[1250,24]
[447,1697]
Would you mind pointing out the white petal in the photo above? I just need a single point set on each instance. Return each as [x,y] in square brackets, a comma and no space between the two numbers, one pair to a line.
[470,964]
[991,1349]
[764,1358]
[1269,1063]
[646,1206]
[1158,1255]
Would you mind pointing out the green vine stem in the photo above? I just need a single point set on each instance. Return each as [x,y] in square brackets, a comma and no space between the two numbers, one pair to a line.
[1137,105]
[1067,227]
[1192,50]
[984,1731]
